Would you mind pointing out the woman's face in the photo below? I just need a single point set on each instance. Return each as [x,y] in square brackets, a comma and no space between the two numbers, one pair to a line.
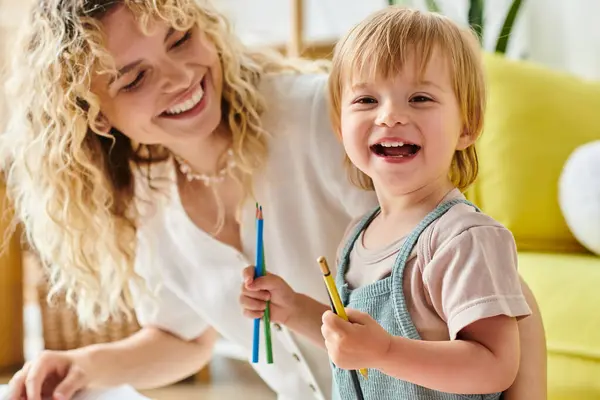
[169,84]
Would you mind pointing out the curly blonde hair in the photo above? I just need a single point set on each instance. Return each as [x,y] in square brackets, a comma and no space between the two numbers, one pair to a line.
[73,186]
[379,46]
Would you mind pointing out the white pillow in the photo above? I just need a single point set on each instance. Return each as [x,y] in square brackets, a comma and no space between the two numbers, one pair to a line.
[579,195]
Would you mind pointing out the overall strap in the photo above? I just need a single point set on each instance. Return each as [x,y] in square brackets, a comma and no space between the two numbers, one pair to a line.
[345,256]
[402,315]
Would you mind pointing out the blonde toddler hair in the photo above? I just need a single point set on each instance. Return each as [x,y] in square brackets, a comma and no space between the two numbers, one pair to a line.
[379,46]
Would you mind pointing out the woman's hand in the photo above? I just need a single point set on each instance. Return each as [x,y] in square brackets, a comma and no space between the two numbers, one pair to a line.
[272,288]
[54,374]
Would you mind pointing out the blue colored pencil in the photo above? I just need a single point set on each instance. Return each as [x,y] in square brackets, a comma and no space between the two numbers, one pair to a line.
[258,271]
[259,244]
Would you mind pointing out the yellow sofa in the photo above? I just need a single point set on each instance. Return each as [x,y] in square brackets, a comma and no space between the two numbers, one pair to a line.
[535,119]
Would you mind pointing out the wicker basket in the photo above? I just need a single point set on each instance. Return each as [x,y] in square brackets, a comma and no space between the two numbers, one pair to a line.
[61,330]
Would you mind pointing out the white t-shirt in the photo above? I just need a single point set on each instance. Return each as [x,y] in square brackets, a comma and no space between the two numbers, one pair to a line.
[308,203]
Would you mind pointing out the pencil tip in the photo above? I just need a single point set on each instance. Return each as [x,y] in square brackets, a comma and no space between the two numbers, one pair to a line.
[323,264]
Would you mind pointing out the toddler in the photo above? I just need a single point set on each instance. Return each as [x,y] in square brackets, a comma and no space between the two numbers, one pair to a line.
[430,282]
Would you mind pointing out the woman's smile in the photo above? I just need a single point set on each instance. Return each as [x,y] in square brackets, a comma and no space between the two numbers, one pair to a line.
[190,104]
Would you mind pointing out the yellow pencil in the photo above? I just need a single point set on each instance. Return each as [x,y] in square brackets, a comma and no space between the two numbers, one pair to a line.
[335,297]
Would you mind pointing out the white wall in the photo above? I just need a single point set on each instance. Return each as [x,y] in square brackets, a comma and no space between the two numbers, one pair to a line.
[267,21]
[566,35]
[559,33]
[563,34]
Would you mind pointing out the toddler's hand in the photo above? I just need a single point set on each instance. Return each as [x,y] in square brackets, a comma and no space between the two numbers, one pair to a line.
[357,344]
[256,292]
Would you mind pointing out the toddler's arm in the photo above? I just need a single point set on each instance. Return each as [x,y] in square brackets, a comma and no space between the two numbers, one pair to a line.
[296,311]
[483,359]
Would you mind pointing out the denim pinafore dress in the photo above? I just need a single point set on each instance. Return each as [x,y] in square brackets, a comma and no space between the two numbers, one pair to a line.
[384,301]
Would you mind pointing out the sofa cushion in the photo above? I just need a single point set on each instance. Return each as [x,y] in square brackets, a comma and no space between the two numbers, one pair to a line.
[572,378]
[535,118]
[567,288]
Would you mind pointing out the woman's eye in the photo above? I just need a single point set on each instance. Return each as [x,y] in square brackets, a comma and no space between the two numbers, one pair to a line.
[136,82]
[420,99]
[365,100]
[184,39]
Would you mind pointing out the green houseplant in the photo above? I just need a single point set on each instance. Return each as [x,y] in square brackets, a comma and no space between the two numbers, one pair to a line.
[477,22]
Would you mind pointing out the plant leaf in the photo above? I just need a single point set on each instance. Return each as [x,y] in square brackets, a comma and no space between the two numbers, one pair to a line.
[476,18]
[511,16]
[433,6]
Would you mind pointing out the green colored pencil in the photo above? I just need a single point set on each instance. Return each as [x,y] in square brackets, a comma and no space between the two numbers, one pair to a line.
[267,314]
[267,319]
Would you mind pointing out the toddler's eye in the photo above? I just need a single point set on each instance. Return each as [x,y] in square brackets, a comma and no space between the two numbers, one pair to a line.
[365,100]
[420,99]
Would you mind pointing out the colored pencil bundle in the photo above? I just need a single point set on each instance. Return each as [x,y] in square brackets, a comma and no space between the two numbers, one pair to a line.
[338,308]
[261,270]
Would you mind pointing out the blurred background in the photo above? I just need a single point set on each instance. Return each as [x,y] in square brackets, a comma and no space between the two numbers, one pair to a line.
[540,176]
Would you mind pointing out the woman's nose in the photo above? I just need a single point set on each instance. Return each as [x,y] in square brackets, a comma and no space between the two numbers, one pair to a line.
[177,76]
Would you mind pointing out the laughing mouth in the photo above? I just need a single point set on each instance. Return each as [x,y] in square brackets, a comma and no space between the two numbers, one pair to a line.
[395,149]
[188,104]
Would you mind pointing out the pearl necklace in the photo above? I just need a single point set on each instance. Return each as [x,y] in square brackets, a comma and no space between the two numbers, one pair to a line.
[208,180]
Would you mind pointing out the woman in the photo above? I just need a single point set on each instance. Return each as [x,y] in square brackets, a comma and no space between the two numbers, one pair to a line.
[141,135]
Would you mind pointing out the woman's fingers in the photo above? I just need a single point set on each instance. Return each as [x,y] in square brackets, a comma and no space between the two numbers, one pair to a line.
[75,380]
[35,378]
[16,386]
[52,373]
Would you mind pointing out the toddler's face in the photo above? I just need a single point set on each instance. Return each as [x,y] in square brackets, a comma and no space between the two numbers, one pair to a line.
[170,85]
[403,131]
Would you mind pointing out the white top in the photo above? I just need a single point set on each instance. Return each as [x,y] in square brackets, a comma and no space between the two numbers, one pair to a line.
[307,202]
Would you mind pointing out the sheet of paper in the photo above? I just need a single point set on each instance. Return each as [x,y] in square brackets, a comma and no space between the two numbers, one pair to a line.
[118,393]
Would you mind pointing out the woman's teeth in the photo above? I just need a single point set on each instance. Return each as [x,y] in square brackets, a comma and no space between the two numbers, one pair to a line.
[188,104]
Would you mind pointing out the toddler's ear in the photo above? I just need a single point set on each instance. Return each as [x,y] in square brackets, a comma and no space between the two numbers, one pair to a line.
[466,139]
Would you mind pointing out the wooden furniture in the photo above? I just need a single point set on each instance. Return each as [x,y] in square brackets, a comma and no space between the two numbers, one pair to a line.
[297,46]
[11,267]
[61,330]
[11,293]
